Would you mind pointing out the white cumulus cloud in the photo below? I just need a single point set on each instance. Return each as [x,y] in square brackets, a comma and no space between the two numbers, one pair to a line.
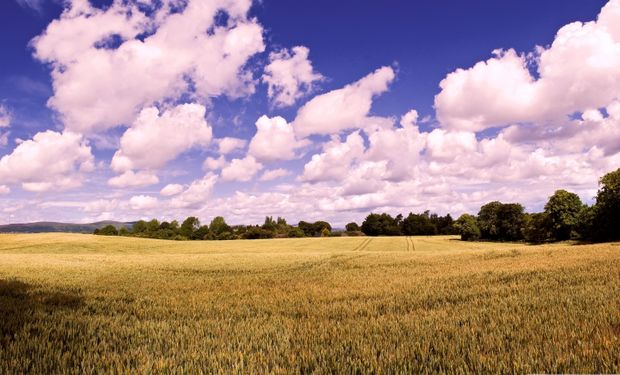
[228,145]
[154,139]
[274,140]
[133,179]
[103,73]
[274,174]
[143,202]
[578,72]
[49,161]
[241,169]
[342,109]
[171,189]
[289,76]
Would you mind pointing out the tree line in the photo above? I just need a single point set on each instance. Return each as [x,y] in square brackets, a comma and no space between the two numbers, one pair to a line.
[218,229]
[413,225]
[564,217]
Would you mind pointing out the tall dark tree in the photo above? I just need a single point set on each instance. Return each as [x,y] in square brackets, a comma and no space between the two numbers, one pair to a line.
[352,227]
[381,225]
[371,226]
[108,230]
[321,227]
[607,209]
[418,225]
[537,227]
[443,224]
[467,227]
[586,223]
[487,220]
[218,226]
[139,227]
[562,211]
[270,224]
[152,226]
[501,221]
[307,228]
[189,226]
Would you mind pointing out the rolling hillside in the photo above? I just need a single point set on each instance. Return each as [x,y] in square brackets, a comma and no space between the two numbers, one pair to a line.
[48,226]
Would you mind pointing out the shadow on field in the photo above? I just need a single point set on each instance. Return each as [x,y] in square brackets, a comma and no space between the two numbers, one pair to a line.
[20,305]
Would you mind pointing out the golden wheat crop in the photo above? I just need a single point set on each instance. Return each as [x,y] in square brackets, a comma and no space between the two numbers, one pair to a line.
[90,304]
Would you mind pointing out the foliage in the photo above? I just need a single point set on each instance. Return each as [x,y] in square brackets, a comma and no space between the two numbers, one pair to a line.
[607,214]
[218,226]
[108,230]
[381,225]
[562,212]
[467,227]
[296,233]
[501,221]
[315,229]
[189,226]
[414,224]
[254,233]
[417,225]
[537,227]
[352,227]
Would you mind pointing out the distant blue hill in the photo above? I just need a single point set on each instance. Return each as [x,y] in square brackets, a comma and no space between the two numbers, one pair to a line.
[48,226]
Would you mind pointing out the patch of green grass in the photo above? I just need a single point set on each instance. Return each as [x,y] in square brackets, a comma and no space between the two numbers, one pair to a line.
[87,304]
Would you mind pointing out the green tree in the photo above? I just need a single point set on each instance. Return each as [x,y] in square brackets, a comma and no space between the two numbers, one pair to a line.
[488,221]
[189,226]
[381,225]
[321,227]
[108,230]
[352,227]
[467,227]
[586,222]
[218,226]
[443,224]
[256,232]
[139,227]
[269,224]
[202,233]
[562,211]
[307,228]
[296,233]
[501,221]
[607,211]
[152,227]
[418,224]
[325,232]
[371,226]
[537,227]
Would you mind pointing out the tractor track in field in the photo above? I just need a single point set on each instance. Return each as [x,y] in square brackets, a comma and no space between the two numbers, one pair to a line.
[410,244]
[364,244]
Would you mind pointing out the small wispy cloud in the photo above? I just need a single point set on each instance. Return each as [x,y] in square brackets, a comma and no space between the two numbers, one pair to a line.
[36,5]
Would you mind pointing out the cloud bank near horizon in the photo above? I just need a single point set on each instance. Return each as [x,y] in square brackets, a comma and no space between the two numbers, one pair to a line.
[514,127]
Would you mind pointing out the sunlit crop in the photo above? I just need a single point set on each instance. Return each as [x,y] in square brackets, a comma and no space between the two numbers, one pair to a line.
[91,304]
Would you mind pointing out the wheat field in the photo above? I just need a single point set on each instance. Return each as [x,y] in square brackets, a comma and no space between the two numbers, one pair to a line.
[73,303]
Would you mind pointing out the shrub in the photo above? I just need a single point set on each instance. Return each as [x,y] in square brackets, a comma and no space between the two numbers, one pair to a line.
[467,227]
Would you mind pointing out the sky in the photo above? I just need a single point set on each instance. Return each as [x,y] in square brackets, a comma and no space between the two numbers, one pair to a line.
[310,110]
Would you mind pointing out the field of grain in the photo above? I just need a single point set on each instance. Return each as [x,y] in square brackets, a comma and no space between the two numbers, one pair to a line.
[80,303]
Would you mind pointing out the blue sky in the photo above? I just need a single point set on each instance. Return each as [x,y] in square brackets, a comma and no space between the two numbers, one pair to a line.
[384,106]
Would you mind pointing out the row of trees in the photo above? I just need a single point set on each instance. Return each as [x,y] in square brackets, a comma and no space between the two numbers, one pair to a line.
[564,217]
[412,225]
[218,229]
